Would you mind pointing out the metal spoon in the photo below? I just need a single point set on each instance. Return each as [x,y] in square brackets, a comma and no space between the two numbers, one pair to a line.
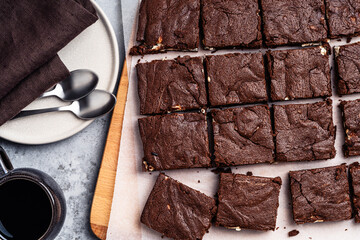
[79,84]
[94,105]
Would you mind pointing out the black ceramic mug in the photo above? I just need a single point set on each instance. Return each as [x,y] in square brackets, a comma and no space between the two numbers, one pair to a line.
[32,205]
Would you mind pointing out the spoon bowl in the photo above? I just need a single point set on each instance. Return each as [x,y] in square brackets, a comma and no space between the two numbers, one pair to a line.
[94,105]
[79,84]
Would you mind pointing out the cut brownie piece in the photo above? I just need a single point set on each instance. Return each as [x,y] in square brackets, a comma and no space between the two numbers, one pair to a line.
[236,78]
[248,202]
[354,171]
[231,23]
[171,85]
[343,17]
[351,120]
[320,194]
[299,73]
[347,60]
[293,22]
[178,211]
[243,136]
[304,132]
[175,141]
[167,25]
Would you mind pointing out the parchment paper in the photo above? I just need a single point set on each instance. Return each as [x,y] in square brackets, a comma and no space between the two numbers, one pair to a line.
[133,186]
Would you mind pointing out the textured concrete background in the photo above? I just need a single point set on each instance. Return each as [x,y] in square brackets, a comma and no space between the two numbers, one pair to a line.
[74,163]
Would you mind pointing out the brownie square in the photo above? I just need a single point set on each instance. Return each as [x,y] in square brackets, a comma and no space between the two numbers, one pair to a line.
[243,136]
[175,141]
[231,23]
[304,132]
[236,78]
[354,175]
[343,17]
[171,85]
[299,73]
[178,211]
[293,22]
[351,120]
[248,202]
[167,25]
[320,195]
[347,61]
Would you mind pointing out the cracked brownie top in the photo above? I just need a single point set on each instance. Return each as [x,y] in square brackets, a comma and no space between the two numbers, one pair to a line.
[243,136]
[236,78]
[347,60]
[231,23]
[299,73]
[320,194]
[171,85]
[304,132]
[343,17]
[248,202]
[293,22]
[351,120]
[175,141]
[166,25]
[178,211]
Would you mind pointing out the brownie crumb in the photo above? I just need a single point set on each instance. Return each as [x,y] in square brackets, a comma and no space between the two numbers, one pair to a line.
[221,170]
[293,233]
[198,181]
[277,228]
[249,173]
[348,39]
[284,227]
[345,229]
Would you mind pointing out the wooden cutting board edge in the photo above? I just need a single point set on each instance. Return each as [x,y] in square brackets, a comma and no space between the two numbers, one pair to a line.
[104,191]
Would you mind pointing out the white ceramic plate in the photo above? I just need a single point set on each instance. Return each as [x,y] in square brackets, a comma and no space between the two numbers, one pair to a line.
[96,49]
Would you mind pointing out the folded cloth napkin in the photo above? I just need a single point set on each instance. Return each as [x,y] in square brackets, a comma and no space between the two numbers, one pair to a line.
[32,32]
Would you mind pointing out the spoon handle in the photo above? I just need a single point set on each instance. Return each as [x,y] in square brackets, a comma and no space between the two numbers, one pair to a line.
[57,91]
[26,113]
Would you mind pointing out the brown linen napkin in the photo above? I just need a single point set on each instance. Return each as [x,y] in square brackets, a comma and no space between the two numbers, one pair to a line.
[32,32]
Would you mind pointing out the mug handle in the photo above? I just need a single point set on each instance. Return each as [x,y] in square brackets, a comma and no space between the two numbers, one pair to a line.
[5,164]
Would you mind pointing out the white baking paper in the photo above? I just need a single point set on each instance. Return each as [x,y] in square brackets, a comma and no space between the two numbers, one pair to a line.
[133,186]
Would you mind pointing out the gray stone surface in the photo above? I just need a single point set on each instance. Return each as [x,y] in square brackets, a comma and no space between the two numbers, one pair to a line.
[74,163]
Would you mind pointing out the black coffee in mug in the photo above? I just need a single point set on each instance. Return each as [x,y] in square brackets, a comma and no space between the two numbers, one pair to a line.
[25,210]
[32,205]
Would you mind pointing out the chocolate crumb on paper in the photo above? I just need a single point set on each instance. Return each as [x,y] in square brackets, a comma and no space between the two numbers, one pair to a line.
[293,233]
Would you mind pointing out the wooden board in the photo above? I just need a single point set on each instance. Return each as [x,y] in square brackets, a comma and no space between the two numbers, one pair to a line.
[103,196]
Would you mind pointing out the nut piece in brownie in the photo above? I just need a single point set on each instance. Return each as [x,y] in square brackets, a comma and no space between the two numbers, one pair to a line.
[354,171]
[178,211]
[236,78]
[247,202]
[171,85]
[343,17]
[320,195]
[347,61]
[351,120]
[175,141]
[231,23]
[164,25]
[243,136]
[299,73]
[293,22]
[304,132]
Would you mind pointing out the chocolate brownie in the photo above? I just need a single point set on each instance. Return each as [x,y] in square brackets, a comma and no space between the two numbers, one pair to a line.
[231,23]
[243,136]
[167,25]
[320,195]
[347,61]
[299,73]
[178,211]
[304,132]
[248,202]
[175,141]
[354,175]
[236,78]
[351,120]
[293,22]
[171,85]
[343,17]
